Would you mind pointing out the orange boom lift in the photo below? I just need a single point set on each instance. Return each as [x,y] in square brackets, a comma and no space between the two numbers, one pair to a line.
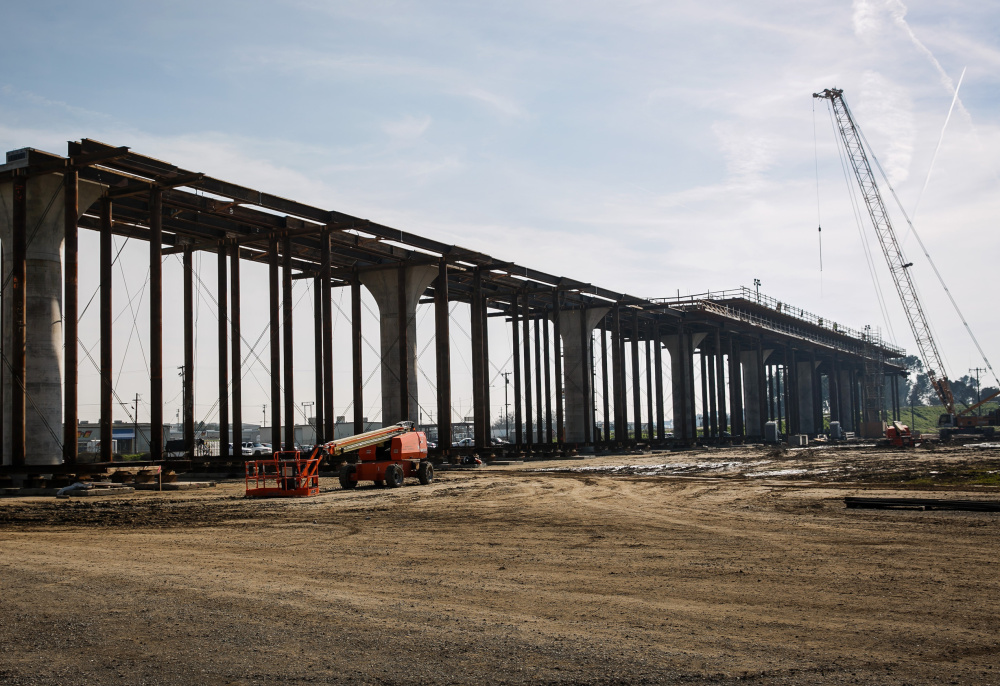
[386,457]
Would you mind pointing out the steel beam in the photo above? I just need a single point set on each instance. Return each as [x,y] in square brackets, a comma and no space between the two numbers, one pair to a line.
[557,354]
[661,429]
[329,415]
[71,210]
[476,335]
[156,324]
[188,352]
[223,305]
[319,373]
[486,373]
[274,281]
[288,341]
[548,380]
[442,345]
[604,380]
[357,382]
[528,419]
[586,376]
[649,388]
[235,336]
[404,361]
[516,348]
[107,383]
[539,408]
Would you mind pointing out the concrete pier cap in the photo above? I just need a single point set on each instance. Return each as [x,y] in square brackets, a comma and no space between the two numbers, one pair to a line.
[383,284]
[578,387]
[43,334]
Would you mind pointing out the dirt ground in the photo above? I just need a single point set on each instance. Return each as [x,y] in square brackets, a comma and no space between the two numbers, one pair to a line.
[711,566]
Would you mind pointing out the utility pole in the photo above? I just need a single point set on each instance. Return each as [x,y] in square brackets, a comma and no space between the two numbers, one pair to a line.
[506,404]
[756,285]
[135,426]
[979,393]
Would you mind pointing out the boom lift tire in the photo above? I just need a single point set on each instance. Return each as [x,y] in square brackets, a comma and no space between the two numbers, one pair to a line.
[425,472]
[393,476]
[346,472]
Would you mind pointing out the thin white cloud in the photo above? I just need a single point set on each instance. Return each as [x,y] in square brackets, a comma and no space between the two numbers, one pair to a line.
[407,127]
[448,80]
[888,122]
[748,153]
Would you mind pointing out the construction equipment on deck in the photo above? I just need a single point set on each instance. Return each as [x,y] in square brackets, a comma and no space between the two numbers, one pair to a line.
[951,422]
[289,474]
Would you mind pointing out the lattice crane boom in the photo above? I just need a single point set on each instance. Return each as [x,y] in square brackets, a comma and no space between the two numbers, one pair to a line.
[898,266]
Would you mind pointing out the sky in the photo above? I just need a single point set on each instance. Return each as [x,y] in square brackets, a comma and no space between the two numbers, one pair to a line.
[648,147]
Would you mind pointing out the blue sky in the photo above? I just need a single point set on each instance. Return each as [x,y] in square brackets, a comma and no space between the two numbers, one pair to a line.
[648,147]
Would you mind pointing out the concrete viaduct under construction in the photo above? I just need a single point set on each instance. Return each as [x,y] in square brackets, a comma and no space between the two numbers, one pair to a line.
[755,359]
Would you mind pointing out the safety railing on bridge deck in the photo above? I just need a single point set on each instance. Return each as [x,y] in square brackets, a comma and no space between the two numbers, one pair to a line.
[709,301]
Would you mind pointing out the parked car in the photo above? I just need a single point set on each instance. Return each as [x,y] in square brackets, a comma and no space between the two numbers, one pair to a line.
[256,449]
[245,451]
[464,443]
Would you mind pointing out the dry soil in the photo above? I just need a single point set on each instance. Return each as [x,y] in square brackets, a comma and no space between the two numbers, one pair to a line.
[720,566]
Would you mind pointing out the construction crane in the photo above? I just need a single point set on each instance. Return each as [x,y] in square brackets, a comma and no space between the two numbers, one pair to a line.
[290,474]
[899,268]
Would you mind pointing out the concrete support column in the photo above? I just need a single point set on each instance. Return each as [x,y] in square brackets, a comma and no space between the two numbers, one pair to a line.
[720,375]
[578,387]
[516,348]
[735,389]
[529,439]
[558,372]
[621,429]
[752,388]
[658,375]
[805,394]
[636,381]
[846,405]
[384,286]
[834,381]
[604,381]
[713,408]
[681,346]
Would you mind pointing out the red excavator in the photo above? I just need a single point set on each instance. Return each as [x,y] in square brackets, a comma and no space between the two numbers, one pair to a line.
[386,457]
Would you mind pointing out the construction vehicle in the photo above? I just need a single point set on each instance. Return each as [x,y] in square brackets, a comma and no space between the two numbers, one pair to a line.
[900,435]
[386,456]
[950,422]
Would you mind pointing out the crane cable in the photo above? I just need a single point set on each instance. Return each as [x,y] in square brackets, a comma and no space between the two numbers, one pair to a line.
[927,254]
[819,222]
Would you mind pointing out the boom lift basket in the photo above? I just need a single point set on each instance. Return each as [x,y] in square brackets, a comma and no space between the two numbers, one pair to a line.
[286,475]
